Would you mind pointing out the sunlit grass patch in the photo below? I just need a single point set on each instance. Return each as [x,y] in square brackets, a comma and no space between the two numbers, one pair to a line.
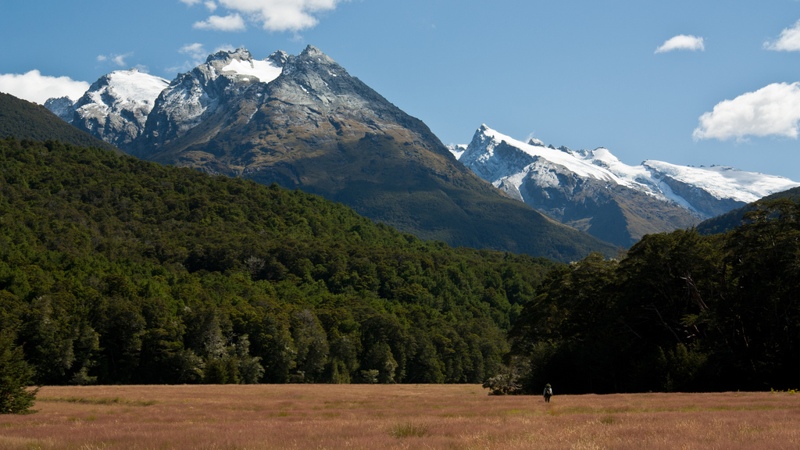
[405,430]
[517,412]
[27,443]
[97,401]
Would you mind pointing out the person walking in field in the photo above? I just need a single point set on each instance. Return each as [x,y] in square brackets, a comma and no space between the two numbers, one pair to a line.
[548,392]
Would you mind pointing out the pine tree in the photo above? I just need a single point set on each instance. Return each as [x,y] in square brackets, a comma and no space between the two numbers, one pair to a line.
[15,377]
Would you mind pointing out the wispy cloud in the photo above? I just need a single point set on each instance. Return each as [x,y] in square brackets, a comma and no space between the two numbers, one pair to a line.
[197,54]
[788,41]
[682,42]
[271,15]
[231,22]
[35,87]
[116,59]
[773,110]
[195,50]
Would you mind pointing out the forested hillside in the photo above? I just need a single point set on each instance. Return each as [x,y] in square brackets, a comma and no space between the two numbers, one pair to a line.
[681,312]
[26,120]
[115,270]
[733,219]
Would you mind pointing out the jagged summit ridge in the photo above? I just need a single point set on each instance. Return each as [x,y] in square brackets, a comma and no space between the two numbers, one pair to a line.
[240,62]
[196,95]
[309,90]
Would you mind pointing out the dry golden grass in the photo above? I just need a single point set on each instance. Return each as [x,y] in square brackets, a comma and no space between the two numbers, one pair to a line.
[398,416]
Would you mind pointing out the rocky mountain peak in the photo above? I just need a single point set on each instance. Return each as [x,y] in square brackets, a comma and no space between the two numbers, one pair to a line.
[536,142]
[279,58]
[63,107]
[116,106]
[311,52]
[226,56]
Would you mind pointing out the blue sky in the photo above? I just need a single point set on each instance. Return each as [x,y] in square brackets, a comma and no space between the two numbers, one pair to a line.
[689,82]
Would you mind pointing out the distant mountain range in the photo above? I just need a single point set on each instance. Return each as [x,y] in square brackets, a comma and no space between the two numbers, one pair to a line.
[594,191]
[303,122]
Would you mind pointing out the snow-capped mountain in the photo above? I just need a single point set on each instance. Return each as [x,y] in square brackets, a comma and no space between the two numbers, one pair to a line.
[595,191]
[302,121]
[115,107]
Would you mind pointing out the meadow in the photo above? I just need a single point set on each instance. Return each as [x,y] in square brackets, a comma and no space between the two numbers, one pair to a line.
[395,417]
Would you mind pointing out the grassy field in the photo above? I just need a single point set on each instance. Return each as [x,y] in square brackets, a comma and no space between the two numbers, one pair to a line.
[395,416]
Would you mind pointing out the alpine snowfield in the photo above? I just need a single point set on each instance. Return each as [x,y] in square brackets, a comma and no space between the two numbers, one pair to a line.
[265,71]
[600,164]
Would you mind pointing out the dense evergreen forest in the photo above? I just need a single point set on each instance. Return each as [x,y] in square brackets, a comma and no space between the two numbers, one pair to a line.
[681,312]
[115,270]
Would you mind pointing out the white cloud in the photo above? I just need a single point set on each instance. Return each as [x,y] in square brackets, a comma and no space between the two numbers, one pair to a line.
[35,87]
[231,22]
[272,15]
[195,50]
[198,54]
[118,60]
[773,110]
[682,42]
[789,40]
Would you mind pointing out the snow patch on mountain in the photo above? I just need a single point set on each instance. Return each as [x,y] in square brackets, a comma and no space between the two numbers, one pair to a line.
[122,90]
[265,71]
[722,181]
[132,86]
[457,149]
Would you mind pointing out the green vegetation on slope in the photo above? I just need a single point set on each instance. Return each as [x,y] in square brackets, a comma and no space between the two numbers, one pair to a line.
[681,312]
[115,270]
[25,120]
[732,219]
